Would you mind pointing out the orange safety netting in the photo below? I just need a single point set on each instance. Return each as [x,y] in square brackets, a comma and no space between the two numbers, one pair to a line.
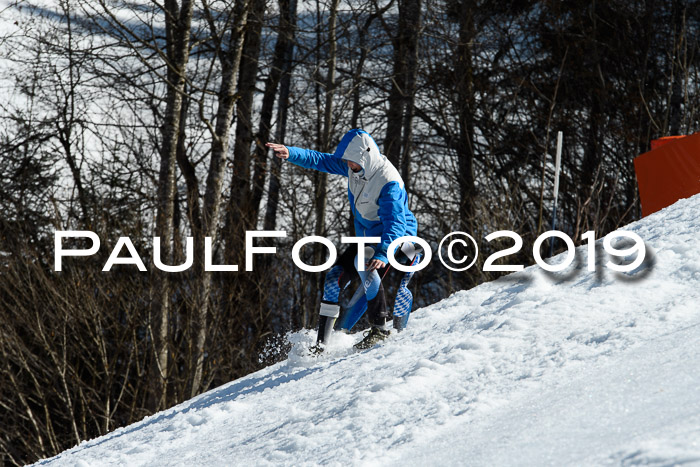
[669,172]
[657,143]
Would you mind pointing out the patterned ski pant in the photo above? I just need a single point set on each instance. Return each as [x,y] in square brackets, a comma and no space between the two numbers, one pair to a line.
[343,272]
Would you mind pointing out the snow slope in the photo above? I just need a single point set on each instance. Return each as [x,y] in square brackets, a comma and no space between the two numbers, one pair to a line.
[576,368]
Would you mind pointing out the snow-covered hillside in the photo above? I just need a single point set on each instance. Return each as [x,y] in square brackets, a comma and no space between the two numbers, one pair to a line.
[576,368]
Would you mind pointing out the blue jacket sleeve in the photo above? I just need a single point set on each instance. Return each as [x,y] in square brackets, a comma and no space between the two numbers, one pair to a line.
[392,200]
[320,161]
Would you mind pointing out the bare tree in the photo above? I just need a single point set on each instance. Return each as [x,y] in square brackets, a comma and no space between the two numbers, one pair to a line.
[399,132]
[280,74]
[230,42]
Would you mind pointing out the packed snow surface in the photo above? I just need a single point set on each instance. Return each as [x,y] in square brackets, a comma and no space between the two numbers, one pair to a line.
[572,368]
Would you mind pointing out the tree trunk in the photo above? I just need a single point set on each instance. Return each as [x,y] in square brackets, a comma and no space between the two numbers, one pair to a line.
[178,22]
[397,144]
[465,107]
[241,215]
[280,64]
[678,38]
[230,59]
[285,42]
[320,178]
[412,26]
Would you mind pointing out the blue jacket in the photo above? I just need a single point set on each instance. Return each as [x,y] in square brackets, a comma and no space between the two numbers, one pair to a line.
[377,195]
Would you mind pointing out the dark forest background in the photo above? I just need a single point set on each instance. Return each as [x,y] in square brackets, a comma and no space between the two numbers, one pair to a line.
[146,119]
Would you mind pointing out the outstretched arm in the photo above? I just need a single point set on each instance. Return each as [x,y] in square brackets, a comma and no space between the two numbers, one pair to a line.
[310,159]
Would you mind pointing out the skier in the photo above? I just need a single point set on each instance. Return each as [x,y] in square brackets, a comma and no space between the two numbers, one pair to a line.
[379,204]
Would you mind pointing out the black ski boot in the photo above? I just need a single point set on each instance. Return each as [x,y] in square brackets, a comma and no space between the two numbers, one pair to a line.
[372,337]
